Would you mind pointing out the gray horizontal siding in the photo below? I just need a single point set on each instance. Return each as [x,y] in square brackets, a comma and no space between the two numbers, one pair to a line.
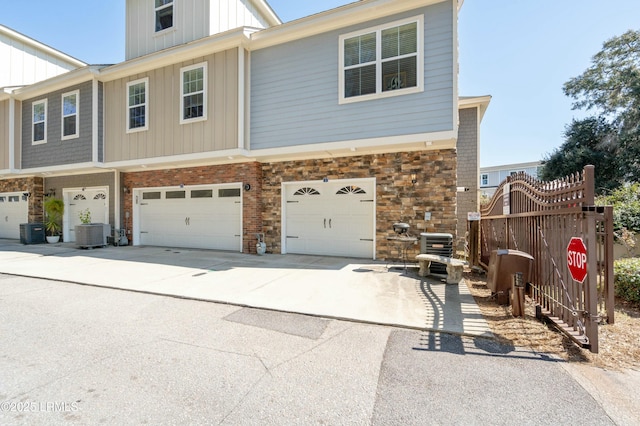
[57,151]
[294,90]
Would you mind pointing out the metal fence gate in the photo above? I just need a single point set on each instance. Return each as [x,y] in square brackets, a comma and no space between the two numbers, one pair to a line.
[540,218]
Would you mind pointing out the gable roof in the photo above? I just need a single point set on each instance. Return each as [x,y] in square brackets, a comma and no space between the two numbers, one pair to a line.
[41,47]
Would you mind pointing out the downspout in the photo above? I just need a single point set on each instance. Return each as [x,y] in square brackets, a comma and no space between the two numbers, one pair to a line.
[94,122]
[12,134]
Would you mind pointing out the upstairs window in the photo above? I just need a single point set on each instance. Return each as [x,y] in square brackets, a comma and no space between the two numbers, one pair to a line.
[382,61]
[193,97]
[39,125]
[137,105]
[484,178]
[164,14]
[70,115]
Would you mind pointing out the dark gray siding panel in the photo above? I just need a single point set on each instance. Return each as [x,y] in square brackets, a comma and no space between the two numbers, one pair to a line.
[59,183]
[57,151]
[294,90]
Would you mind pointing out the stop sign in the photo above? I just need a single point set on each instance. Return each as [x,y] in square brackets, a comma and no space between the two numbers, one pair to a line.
[577,259]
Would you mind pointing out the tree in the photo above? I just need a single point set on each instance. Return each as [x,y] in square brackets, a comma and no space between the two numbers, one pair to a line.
[587,141]
[611,86]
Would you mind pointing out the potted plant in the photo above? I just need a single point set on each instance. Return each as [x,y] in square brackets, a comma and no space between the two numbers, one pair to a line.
[54,209]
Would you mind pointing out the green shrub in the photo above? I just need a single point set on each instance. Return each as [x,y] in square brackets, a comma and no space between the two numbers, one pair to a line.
[626,207]
[627,279]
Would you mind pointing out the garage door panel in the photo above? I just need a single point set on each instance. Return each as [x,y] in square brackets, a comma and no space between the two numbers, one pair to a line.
[207,217]
[334,218]
[14,210]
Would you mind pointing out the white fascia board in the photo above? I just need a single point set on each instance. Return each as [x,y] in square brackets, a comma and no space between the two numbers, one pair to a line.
[266,11]
[53,84]
[42,47]
[48,171]
[482,102]
[205,46]
[415,142]
[341,17]
[228,156]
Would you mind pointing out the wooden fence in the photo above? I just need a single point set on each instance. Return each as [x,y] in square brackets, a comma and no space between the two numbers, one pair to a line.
[540,218]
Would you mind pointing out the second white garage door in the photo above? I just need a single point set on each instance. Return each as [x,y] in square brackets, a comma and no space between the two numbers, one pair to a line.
[14,210]
[335,218]
[208,217]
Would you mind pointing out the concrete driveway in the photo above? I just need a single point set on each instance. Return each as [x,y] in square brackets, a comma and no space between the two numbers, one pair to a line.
[340,288]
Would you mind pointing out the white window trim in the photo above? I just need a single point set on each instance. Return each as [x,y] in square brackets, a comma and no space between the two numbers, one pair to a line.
[202,65]
[146,105]
[164,6]
[76,134]
[379,93]
[33,122]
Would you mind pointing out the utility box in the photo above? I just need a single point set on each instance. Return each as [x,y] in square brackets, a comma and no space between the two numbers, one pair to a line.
[503,264]
[440,244]
[92,235]
[32,233]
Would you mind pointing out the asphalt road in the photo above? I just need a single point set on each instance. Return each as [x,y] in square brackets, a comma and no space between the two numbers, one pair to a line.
[77,354]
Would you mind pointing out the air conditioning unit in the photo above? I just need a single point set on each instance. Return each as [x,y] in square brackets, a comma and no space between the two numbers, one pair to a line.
[440,244]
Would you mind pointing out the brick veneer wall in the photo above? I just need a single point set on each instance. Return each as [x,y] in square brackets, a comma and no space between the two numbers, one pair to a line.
[33,185]
[397,198]
[250,173]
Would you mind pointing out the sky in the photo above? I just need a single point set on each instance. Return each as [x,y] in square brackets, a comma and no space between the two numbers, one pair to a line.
[520,52]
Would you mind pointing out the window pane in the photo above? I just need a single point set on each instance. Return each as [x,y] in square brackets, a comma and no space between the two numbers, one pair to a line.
[400,41]
[352,51]
[367,48]
[408,39]
[137,94]
[231,192]
[69,125]
[151,195]
[194,81]
[38,112]
[360,50]
[38,132]
[69,105]
[399,74]
[164,18]
[163,2]
[137,117]
[202,193]
[193,106]
[360,81]
[390,43]
[175,194]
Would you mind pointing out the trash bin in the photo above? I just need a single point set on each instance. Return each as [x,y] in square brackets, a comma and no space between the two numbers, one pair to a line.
[32,233]
[440,244]
[503,264]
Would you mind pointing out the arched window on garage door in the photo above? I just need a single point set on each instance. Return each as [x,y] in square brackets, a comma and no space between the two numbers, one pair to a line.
[351,189]
[306,191]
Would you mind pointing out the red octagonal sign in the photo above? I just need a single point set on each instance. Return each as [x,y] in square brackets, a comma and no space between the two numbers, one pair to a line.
[577,259]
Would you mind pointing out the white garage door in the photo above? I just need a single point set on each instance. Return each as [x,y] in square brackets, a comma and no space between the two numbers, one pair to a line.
[330,218]
[14,210]
[204,217]
[93,200]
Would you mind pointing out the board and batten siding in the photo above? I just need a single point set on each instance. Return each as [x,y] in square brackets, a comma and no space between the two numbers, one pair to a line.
[294,90]
[192,20]
[23,64]
[55,151]
[165,135]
